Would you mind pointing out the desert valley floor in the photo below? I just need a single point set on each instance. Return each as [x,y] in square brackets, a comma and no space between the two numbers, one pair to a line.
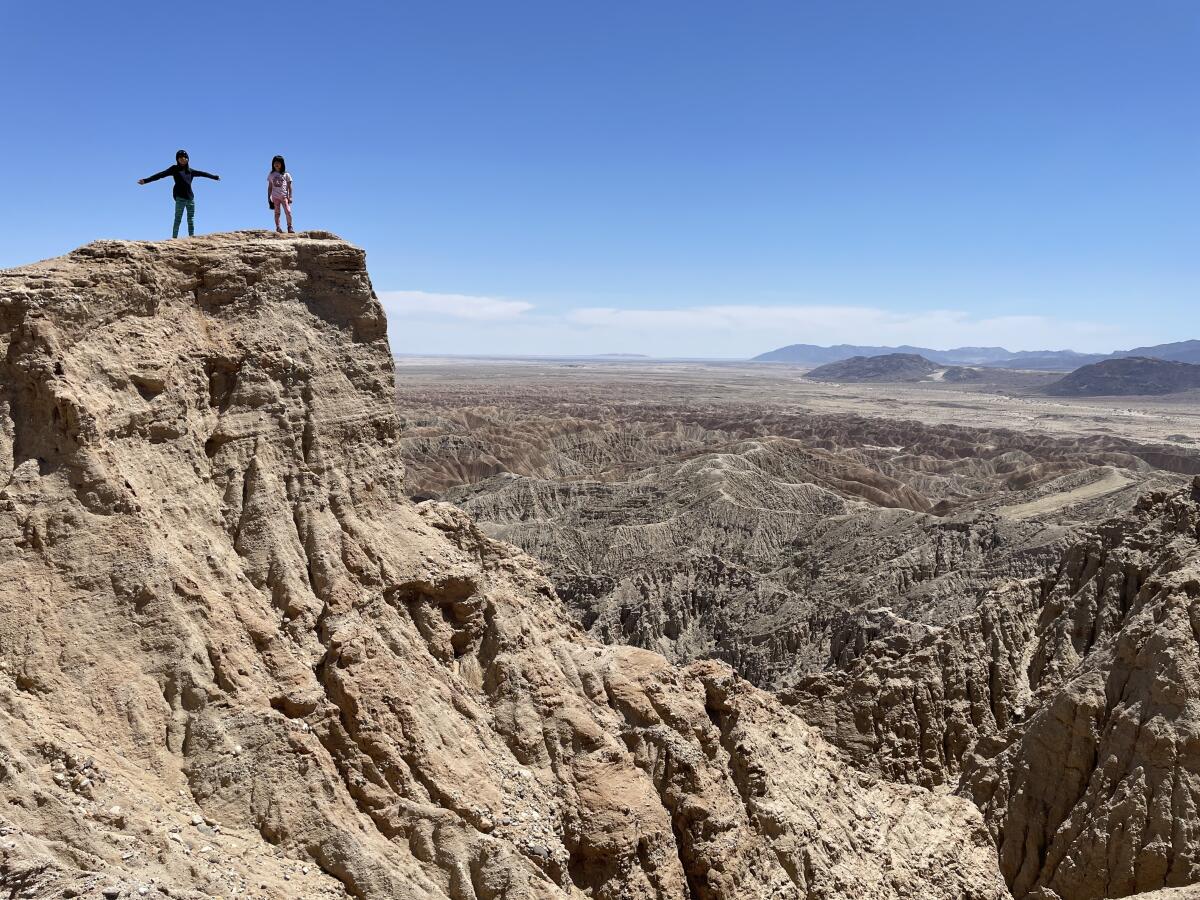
[1008,400]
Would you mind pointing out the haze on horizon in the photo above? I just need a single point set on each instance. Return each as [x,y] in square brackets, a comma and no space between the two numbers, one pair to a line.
[675,179]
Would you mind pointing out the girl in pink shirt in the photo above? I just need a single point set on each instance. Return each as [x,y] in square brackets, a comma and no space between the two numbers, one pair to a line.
[279,192]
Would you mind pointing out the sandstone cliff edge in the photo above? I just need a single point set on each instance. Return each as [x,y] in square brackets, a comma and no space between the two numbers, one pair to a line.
[234,659]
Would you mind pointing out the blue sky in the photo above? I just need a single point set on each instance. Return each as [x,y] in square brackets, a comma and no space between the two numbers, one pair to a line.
[669,178]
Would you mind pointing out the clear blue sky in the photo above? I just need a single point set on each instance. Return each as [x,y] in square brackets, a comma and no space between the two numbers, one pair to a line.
[673,178]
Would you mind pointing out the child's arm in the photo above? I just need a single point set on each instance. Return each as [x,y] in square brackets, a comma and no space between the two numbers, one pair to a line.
[163,174]
[206,175]
[289,184]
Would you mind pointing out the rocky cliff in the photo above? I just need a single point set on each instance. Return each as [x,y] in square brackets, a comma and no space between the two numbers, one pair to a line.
[1066,707]
[236,660]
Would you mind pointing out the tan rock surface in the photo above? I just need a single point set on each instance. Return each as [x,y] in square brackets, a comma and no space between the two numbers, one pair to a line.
[234,659]
[1184,893]
[1066,707]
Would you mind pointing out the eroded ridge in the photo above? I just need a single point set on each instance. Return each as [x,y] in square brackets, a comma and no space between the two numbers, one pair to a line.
[700,525]
[1065,707]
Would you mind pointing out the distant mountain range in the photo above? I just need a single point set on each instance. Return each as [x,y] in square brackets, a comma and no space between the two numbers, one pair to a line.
[1122,376]
[998,357]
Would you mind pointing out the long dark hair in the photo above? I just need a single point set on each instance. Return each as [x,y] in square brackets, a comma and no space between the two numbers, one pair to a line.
[282,164]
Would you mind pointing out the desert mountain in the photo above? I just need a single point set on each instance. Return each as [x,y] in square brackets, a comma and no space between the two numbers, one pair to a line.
[889,367]
[812,354]
[1130,376]
[1048,360]
[235,659]
[1179,351]
[1053,360]
[990,613]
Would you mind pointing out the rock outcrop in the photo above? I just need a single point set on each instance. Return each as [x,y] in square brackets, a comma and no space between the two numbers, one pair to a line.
[236,659]
[1066,707]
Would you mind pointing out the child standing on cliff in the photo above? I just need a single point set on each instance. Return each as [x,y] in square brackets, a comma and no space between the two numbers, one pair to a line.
[183,173]
[279,192]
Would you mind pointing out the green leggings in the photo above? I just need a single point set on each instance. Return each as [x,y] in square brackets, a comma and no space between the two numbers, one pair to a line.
[180,205]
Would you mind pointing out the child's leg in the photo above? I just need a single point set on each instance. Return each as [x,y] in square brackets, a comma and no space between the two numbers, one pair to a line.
[277,205]
[191,209]
[178,215]
[287,208]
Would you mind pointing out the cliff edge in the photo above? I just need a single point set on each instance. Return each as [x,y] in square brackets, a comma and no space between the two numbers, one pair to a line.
[234,659]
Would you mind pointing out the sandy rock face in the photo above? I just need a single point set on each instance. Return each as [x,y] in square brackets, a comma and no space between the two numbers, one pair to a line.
[234,658]
[1093,793]
[1065,707]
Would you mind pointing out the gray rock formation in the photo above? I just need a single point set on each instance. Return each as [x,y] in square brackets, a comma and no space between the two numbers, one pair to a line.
[235,659]
[750,556]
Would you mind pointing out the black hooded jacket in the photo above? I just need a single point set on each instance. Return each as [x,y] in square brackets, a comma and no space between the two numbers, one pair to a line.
[183,180]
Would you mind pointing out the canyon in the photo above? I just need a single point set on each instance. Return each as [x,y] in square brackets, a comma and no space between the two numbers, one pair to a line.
[967,606]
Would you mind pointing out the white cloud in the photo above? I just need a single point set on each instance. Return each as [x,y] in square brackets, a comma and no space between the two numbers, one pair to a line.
[456,323]
[730,316]
[823,324]
[455,306]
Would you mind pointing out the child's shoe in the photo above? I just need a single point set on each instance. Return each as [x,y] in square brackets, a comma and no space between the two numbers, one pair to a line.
[291,230]
[278,230]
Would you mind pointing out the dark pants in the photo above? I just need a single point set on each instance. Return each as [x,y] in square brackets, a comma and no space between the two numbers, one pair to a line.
[180,205]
